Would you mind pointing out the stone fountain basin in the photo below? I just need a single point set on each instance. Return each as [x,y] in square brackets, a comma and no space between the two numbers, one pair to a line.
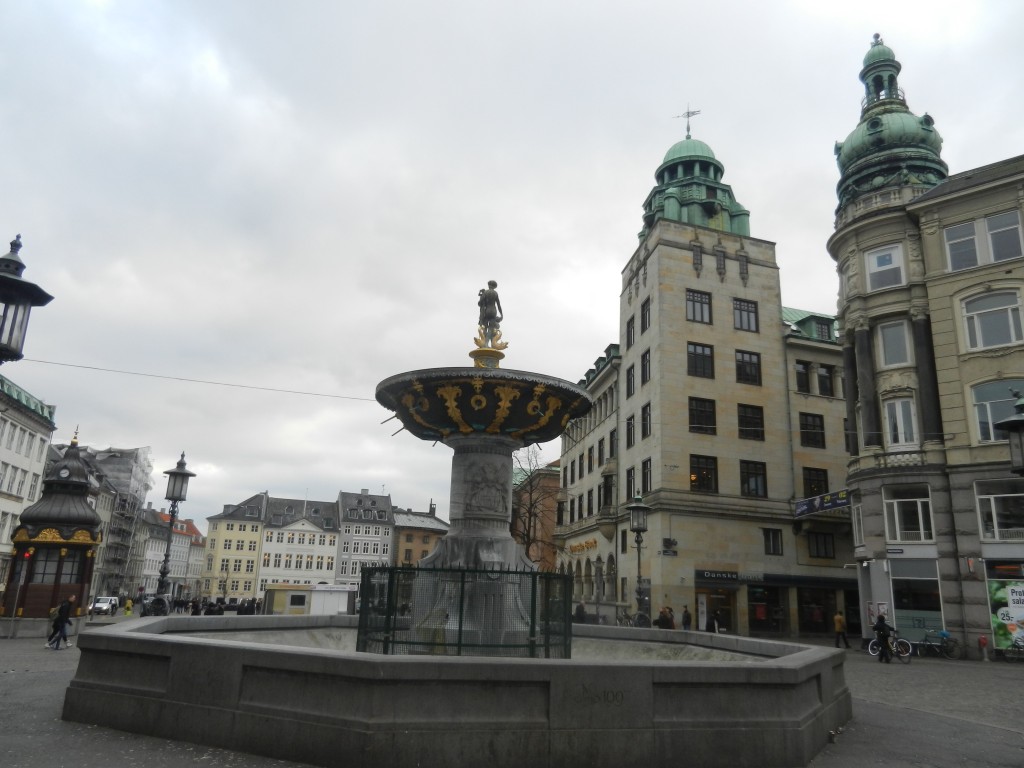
[291,687]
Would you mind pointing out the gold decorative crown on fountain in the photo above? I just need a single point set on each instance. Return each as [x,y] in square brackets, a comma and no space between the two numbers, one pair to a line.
[488,338]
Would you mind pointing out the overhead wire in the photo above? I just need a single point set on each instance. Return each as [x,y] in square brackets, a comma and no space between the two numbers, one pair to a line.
[198,381]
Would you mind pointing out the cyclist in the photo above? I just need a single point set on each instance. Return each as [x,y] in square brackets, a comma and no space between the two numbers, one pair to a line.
[882,631]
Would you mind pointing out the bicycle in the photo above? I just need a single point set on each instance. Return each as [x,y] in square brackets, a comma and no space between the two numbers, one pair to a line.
[1015,651]
[898,648]
[624,618]
[941,643]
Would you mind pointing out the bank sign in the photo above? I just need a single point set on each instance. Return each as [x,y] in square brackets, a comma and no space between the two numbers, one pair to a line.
[823,503]
[1006,600]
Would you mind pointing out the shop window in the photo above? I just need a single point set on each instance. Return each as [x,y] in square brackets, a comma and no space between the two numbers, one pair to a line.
[908,516]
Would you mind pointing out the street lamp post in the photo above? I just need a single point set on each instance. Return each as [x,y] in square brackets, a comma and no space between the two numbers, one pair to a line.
[177,488]
[1014,428]
[638,525]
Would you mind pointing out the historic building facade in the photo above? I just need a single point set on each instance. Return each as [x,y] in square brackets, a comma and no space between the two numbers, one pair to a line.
[931,278]
[721,410]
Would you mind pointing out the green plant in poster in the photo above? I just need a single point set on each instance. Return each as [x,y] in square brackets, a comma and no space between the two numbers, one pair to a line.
[1006,599]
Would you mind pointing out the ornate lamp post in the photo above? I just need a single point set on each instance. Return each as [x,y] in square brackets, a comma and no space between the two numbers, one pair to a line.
[17,297]
[177,488]
[1014,428]
[638,525]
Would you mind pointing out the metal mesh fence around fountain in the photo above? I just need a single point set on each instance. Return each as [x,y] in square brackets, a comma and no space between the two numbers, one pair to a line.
[465,612]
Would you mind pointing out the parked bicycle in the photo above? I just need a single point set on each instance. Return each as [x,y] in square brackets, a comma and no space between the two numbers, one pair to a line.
[1016,650]
[898,648]
[624,618]
[941,643]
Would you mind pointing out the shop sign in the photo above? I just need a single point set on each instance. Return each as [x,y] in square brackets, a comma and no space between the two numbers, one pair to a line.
[1006,602]
[706,575]
[583,546]
[751,577]
[668,553]
[823,503]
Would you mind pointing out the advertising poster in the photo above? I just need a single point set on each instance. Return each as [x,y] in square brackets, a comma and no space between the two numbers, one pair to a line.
[1006,601]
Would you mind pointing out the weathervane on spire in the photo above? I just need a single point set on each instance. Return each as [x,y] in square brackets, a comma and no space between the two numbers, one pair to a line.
[688,114]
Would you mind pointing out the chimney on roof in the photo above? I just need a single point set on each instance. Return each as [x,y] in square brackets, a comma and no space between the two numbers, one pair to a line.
[433,508]
[365,492]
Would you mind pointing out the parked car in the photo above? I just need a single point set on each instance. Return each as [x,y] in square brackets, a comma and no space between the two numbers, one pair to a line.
[104,605]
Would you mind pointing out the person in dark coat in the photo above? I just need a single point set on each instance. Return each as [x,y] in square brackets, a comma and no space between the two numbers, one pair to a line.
[580,614]
[60,624]
[687,618]
[882,631]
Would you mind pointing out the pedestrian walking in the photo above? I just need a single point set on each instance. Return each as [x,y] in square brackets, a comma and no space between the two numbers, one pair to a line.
[687,618]
[60,624]
[840,625]
[882,631]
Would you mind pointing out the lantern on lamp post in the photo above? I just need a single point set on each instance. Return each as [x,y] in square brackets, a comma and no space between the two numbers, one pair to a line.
[17,297]
[1014,428]
[638,525]
[177,489]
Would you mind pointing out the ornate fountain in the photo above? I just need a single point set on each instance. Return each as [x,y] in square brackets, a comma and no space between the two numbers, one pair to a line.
[477,593]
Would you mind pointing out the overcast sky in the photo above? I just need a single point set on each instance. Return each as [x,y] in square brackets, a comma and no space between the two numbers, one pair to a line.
[308,195]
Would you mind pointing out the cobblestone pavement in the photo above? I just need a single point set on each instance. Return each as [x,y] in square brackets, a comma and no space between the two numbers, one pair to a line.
[932,713]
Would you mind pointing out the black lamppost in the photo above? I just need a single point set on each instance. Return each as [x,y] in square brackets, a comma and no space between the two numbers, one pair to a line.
[638,525]
[177,488]
[1014,428]
[17,297]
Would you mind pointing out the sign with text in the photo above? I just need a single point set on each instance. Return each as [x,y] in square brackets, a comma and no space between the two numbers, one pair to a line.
[823,503]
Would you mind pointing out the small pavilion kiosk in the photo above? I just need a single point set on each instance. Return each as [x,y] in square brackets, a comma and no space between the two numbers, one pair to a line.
[55,542]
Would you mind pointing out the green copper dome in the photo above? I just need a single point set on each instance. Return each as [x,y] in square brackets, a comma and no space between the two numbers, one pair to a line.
[688,148]
[878,51]
[891,146]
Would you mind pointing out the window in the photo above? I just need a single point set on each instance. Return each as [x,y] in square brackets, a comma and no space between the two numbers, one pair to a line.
[645,367]
[899,422]
[823,330]
[630,482]
[252,545]
[825,380]
[812,430]
[821,545]
[803,376]
[1001,509]
[250,566]
[815,482]
[993,320]
[698,306]
[1003,242]
[613,443]
[754,479]
[744,315]
[893,345]
[407,556]
[772,541]
[703,473]
[291,537]
[630,431]
[590,459]
[700,360]
[646,476]
[33,487]
[645,421]
[884,268]
[908,515]
[857,517]
[228,543]
[702,416]
[630,332]
[993,403]
[751,422]
[631,381]
[645,315]
[1004,236]
[748,368]
[600,452]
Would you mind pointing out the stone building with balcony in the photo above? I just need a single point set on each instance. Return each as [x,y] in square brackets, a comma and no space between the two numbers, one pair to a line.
[931,278]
